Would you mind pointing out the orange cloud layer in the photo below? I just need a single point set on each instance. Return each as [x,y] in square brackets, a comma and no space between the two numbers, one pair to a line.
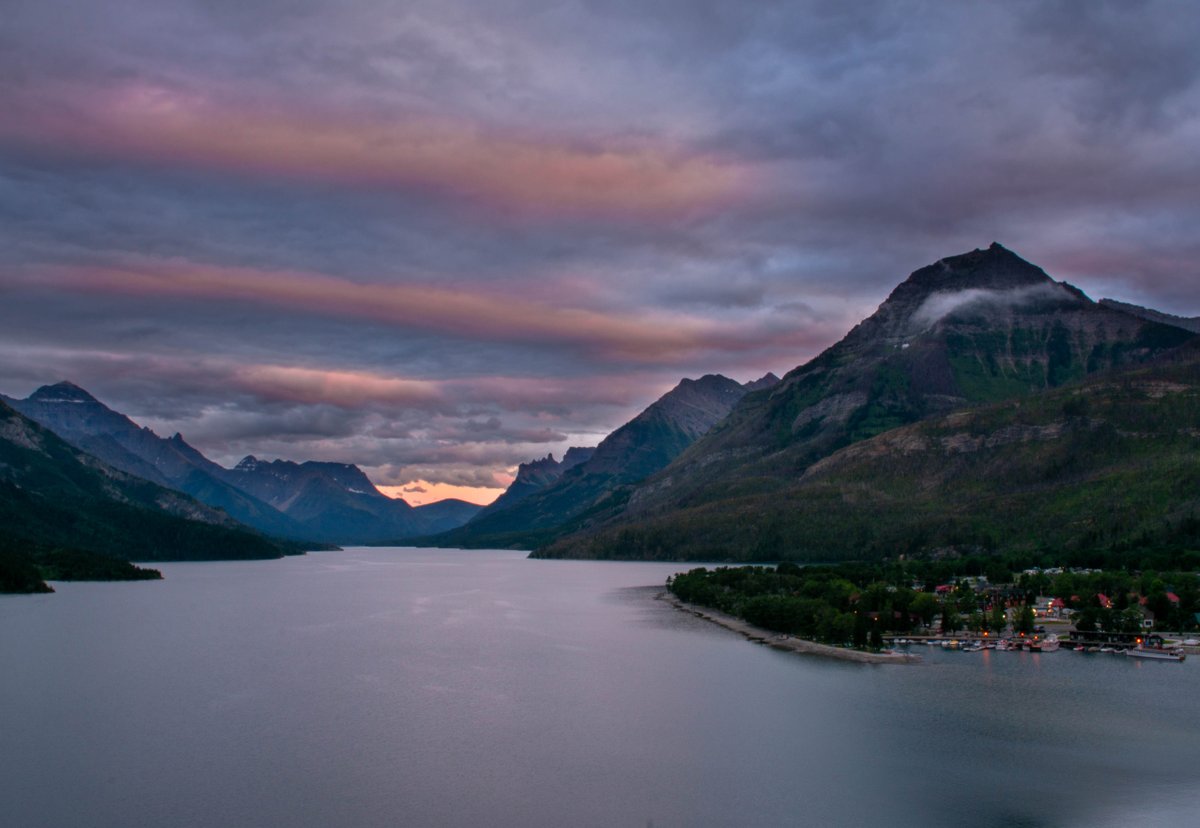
[475,315]
[141,123]
[344,388]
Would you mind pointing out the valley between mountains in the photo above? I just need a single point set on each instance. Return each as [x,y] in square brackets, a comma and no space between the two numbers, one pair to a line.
[983,408]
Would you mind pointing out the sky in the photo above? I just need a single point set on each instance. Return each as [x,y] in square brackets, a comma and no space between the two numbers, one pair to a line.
[437,239]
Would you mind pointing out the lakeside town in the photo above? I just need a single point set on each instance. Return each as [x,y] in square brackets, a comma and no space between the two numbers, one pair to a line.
[861,609]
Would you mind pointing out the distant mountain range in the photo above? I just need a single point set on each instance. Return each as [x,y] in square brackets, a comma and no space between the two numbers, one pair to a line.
[552,497]
[967,331]
[324,502]
[983,407]
[66,514]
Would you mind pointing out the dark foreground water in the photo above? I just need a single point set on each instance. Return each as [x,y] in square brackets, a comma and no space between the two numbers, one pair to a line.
[398,687]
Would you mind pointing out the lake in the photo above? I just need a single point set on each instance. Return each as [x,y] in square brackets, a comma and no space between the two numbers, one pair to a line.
[404,687]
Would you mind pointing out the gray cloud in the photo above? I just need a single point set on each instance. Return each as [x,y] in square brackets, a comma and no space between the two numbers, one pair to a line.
[869,139]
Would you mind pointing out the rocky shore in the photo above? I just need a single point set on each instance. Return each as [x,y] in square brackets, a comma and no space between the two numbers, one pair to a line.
[786,642]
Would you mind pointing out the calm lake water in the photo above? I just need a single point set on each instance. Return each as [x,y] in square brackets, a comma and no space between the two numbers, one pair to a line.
[401,687]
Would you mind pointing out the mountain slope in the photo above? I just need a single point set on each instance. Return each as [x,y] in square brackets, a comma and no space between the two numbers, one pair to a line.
[1107,466]
[969,329]
[974,328]
[338,503]
[56,497]
[639,448]
[82,420]
[1187,323]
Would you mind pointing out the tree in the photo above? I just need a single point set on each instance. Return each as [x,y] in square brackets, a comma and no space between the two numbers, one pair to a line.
[977,621]
[951,621]
[1025,619]
[860,630]
[998,618]
[925,607]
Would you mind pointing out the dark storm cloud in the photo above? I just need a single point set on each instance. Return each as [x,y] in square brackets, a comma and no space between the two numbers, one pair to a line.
[597,198]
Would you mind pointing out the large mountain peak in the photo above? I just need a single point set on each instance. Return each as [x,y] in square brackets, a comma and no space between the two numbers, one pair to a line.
[62,392]
[991,283]
[993,268]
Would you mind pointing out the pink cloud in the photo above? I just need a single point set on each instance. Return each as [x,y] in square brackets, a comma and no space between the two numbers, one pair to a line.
[348,389]
[651,338]
[509,171]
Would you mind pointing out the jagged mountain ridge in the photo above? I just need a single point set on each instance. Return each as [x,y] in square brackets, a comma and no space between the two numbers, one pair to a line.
[85,422]
[338,502]
[639,448]
[53,495]
[969,329]
[536,475]
[317,502]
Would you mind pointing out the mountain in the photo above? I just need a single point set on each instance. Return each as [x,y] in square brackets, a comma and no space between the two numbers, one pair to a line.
[1187,323]
[981,327]
[534,476]
[311,502]
[65,513]
[639,448]
[338,503]
[85,422]
[1101,469]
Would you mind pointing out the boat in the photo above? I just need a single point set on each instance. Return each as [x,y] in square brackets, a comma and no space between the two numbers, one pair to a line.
[1157,653]
[1050,643]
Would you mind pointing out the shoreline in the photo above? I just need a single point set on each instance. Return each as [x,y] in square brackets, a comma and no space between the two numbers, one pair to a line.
[789,643]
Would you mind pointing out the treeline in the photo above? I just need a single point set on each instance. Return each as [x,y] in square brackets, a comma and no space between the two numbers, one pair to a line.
[25,566]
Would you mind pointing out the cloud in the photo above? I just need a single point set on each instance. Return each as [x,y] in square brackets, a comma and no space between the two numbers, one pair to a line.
[940,305]
[474,313]
[434,239]
[146,124]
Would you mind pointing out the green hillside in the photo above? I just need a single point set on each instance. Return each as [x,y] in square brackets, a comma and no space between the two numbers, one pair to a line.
[1084,471]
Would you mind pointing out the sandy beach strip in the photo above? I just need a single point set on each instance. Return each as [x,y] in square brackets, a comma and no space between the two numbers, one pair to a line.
[782,642]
